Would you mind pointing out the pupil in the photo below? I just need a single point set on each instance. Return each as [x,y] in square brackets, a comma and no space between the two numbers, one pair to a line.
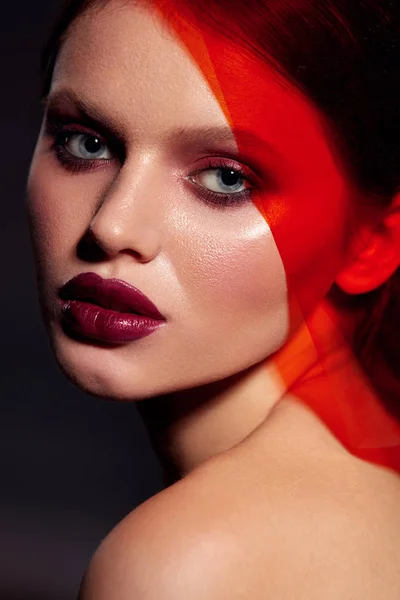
[92,145]
[229,177]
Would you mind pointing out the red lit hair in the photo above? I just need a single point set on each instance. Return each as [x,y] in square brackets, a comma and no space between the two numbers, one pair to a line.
[344,56]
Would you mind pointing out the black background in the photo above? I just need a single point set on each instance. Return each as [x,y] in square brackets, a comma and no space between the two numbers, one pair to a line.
[71,466]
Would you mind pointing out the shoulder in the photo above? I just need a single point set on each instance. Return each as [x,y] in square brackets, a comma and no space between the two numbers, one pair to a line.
[217,531]
[174,546]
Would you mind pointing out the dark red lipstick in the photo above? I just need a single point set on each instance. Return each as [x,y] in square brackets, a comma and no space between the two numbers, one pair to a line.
[108,310]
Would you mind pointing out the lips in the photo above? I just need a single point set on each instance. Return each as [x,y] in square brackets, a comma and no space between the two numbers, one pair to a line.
[113,294]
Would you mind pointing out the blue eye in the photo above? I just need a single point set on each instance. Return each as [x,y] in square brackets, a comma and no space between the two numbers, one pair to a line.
[86,146]
[221,180]
[221,184]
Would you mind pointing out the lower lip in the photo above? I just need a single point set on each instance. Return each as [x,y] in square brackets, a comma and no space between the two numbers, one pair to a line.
[102,324]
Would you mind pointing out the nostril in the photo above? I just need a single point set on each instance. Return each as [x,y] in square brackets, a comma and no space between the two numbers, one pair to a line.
[88,248]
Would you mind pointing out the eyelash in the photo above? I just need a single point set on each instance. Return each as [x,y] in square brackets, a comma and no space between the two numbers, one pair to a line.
[215,199]
[61,132]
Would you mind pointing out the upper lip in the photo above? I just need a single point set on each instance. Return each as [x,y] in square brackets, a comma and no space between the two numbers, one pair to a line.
[114,294]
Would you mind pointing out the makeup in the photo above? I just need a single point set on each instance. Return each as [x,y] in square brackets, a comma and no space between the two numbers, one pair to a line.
[108,310]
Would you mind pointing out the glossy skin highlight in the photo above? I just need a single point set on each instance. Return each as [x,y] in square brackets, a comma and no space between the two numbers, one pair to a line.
[235,275]
[196,261]
[257,465]
[318,218]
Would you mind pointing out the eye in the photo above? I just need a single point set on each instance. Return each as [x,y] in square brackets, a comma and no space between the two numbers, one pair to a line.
[222,183]
[86,146]
[221,180]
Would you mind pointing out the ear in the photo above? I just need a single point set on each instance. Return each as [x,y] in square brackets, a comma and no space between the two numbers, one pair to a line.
[374,255]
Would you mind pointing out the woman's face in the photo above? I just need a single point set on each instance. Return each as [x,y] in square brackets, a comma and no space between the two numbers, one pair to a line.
[144,189]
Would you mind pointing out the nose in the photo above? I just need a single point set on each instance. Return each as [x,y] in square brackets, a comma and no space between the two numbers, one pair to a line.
[129,218]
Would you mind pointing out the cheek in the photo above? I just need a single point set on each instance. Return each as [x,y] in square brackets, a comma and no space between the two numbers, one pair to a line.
[48,210]
[249,276]
[307,218]
[59,210]
[233,275]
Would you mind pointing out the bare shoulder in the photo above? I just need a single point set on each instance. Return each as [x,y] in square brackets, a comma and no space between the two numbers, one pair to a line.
[177,545]
[228,531]
[173,546]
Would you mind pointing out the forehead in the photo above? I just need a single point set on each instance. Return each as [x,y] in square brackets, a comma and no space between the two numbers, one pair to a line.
[154,76]
[125,57]
[128,58]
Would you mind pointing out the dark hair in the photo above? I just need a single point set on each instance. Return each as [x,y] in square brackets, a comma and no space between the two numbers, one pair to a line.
[345,56]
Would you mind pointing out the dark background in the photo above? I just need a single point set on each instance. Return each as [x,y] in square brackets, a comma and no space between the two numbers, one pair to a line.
[71,466]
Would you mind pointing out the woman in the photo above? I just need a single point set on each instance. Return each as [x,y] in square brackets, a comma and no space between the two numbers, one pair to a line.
[214,212]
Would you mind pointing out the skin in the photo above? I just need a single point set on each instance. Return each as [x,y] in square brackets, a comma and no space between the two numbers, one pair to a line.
[196,262]
[210,393]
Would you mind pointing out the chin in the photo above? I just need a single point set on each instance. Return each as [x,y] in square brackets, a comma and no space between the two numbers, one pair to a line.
[122,374]
[105,372]
[105,385]
[97,371]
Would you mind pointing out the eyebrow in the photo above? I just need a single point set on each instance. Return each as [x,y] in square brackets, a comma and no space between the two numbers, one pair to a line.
[185,136]
[64,100]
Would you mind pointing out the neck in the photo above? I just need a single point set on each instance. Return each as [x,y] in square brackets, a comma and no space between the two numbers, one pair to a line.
[190,426]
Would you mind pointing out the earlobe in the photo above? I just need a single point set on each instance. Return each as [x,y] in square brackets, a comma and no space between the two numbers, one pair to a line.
[374,256]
